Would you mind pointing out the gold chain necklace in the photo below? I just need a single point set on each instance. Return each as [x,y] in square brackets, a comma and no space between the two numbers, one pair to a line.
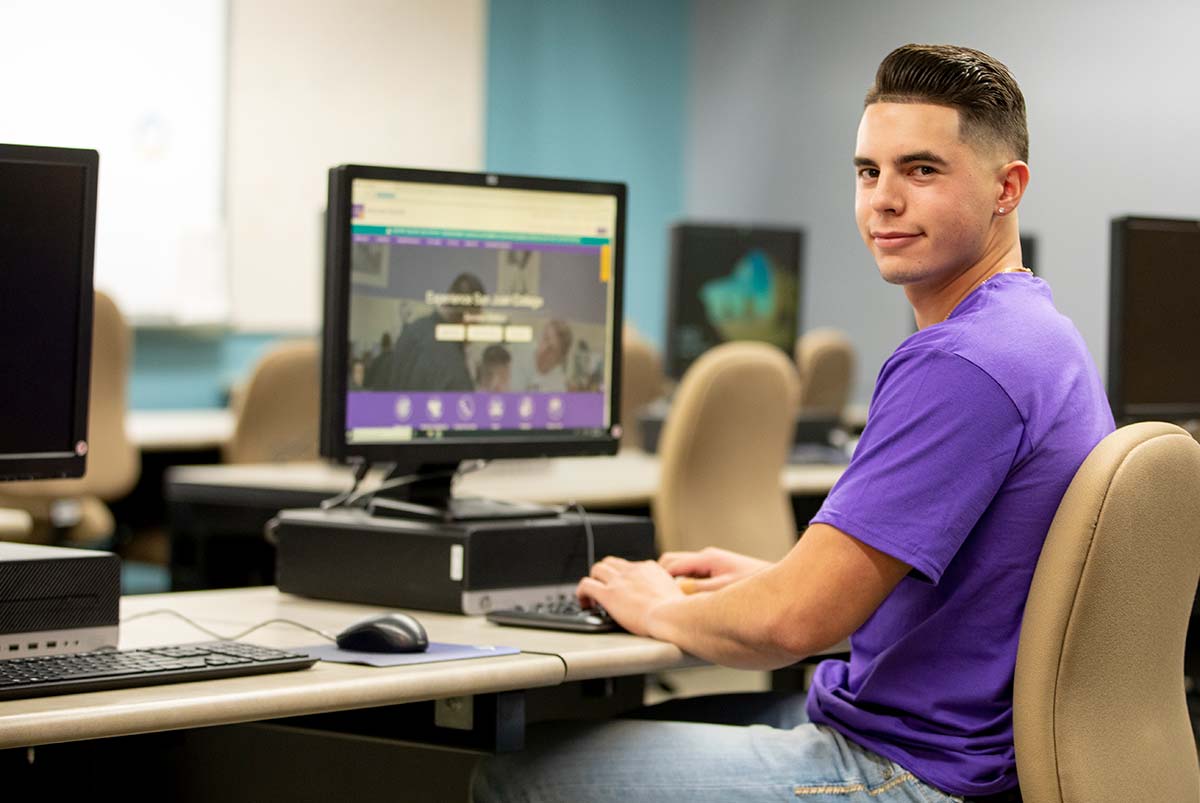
[981,284]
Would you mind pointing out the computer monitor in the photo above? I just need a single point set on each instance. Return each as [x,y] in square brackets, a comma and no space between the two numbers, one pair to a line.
[731,282]
[1029,257]
[47,235]
[1154,296]
[469,316]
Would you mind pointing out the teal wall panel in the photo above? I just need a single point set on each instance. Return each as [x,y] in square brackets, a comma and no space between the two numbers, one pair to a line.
[597,90]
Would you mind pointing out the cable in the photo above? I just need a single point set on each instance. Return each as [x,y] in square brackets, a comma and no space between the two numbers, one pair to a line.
[361,467]
[587,529]
[408,479]
[216,635]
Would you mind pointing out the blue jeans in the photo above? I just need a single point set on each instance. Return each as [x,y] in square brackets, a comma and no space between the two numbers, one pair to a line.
[767,750]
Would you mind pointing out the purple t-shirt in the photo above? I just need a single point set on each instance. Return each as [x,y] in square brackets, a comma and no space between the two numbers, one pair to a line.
[976,428]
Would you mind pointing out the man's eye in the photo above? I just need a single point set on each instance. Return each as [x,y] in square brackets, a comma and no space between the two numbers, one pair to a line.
[925,170]
[868,172]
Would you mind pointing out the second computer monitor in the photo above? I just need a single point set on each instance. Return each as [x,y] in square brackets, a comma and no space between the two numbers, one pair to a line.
[731,282]
[470,315]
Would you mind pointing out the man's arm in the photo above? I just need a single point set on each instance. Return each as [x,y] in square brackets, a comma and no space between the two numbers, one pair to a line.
[820,593]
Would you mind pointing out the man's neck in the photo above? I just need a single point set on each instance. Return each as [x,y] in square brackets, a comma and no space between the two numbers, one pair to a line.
[932,302]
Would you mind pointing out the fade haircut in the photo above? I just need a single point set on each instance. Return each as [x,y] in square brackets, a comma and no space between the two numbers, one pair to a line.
[991,108]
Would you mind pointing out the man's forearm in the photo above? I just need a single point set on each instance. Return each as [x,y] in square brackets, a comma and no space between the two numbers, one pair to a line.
[743,625]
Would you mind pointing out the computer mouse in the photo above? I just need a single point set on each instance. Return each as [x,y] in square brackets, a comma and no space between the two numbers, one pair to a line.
[389,632]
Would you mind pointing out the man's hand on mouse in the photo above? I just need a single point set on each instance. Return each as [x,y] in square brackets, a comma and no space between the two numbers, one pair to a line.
[628,591]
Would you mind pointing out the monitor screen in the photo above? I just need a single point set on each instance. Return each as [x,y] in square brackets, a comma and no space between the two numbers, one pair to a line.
[47,232]
[470,315]
[731,283]
[1154,295]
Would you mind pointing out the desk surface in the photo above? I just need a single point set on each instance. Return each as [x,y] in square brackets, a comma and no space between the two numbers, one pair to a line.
[629,479]
[180,430]
[548,658]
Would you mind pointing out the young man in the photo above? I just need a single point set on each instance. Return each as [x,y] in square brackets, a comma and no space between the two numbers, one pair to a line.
[924,551]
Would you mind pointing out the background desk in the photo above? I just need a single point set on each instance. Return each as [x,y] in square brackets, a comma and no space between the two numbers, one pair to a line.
[180,430]
[217,513]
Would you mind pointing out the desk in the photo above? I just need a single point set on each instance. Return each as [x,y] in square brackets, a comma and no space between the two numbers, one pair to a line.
[217,512]
[553,658]
[630,479]
[180,430]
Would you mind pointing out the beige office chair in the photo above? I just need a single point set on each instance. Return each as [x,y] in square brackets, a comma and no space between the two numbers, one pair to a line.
[279,410]
[1099,709]
[825,361]
[722,450]
[642,382]
[74,510]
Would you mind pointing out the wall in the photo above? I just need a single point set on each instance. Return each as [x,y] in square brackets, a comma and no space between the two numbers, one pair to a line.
[597,90]
[315,84]
[311,85]
[776,94]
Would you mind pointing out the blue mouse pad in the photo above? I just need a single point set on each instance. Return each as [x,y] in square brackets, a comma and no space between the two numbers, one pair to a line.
[437,651]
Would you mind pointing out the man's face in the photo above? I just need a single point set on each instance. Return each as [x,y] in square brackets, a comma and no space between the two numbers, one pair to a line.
[499,378]
[549,350]
[924,198]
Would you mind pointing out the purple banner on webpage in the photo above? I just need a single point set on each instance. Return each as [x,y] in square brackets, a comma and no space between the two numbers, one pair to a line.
[474,411]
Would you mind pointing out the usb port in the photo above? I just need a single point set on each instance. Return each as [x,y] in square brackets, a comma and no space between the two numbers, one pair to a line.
[51,643]
[33,645]
[14,647]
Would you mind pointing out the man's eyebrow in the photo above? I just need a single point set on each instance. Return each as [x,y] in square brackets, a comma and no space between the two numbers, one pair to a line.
[921,156]
[862,161]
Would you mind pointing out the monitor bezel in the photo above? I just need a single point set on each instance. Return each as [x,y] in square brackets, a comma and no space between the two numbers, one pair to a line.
[691,228]
[335,339]
[60,465]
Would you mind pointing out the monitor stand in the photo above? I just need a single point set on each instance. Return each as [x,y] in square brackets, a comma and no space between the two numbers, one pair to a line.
[430,499]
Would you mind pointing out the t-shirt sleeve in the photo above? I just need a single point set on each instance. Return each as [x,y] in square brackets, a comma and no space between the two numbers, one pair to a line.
[941,437]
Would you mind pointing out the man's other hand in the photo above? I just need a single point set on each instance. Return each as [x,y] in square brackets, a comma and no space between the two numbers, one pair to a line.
[709,569]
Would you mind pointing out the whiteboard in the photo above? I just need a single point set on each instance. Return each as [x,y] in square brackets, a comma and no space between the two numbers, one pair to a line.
[142,82]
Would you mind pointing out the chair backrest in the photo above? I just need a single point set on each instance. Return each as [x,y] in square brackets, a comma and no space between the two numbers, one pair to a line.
[825,361]
[1100,713]
[279,412]
[642,381]
[723,447]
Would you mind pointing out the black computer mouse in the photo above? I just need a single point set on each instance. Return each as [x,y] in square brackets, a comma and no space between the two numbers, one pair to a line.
[389,632]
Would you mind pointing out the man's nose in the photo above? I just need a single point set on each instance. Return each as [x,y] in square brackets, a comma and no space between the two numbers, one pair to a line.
[887,196]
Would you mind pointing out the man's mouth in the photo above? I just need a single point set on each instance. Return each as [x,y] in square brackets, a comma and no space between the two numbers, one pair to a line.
[893,239]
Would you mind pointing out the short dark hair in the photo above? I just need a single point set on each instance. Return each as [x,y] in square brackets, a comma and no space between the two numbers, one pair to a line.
[989,102]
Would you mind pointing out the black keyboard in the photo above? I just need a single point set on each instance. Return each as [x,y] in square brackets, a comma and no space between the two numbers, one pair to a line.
[69,673]
[559,615]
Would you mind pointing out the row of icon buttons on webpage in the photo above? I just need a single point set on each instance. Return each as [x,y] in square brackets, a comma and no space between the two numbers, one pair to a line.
[465,407]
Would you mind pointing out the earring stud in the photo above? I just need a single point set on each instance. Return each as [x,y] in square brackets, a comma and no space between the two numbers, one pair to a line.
[1000,210]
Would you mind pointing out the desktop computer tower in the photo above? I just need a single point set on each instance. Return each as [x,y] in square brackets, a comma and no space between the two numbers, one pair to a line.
[467,567]
[57,600]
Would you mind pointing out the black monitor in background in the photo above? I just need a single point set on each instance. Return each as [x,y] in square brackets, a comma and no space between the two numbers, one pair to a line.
[469,316]
[731,282]
[1154,319]
[1029,252]
[47,234]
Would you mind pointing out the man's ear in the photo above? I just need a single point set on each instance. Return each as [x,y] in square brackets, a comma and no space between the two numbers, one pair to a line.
[1014,178]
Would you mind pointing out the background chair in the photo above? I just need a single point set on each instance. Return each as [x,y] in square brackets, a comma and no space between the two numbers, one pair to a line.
[1100,714]
[642,381]
[825,362]
[722,450]
[278,412]
[75,510]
